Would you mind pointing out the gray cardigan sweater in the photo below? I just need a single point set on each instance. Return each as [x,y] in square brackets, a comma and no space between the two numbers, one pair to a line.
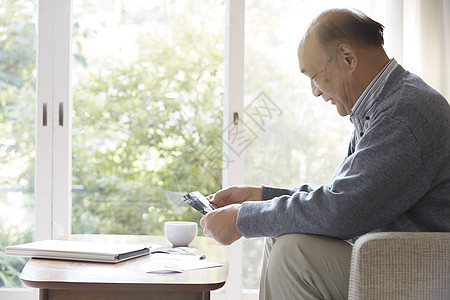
[396,177]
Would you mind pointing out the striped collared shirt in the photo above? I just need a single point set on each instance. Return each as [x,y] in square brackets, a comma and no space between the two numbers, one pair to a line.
[363,109]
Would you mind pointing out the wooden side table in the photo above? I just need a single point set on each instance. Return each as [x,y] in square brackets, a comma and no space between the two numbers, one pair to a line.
[58,279]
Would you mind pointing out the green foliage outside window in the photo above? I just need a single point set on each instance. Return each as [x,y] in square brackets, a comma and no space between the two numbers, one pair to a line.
[17,131]
[146,130]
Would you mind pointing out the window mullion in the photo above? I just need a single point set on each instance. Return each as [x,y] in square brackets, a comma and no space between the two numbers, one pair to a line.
[62,107]
[53,153]
[44,126]
[233,160]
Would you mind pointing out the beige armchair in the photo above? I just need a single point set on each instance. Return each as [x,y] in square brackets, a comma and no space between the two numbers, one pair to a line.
[401,265]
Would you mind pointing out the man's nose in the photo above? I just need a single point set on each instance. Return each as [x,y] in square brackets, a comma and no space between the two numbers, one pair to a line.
[315,89]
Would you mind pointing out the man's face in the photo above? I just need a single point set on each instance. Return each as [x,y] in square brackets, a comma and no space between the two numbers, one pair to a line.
[328,79]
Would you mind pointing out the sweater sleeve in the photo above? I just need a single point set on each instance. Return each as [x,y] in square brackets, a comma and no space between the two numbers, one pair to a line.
[372,187]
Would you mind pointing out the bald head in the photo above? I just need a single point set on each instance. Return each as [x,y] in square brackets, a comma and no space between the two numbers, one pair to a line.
[345,26]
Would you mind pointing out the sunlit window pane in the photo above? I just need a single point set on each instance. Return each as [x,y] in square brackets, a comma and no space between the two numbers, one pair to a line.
[17,132]
[147,120]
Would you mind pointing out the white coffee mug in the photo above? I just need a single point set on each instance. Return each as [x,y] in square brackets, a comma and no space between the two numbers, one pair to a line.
[180,233]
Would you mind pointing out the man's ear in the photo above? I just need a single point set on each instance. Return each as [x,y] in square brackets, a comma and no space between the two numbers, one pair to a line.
[348,55]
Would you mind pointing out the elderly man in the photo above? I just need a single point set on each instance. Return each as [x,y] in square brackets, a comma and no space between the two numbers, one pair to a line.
[396,176]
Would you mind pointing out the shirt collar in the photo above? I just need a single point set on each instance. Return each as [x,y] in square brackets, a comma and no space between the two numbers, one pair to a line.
[370,94]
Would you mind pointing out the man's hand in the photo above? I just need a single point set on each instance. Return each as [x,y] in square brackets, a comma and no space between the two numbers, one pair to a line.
[235,194]
[221,225]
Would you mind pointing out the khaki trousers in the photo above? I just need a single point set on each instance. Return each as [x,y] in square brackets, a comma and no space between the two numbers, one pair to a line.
[302,266]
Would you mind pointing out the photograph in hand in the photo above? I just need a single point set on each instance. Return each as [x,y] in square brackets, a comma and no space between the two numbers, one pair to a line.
[198,202]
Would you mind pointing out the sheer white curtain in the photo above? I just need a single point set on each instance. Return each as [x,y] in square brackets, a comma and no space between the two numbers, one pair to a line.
[417,35]
[426,41]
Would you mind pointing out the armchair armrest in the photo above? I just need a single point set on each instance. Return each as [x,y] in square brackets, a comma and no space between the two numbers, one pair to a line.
[401,265]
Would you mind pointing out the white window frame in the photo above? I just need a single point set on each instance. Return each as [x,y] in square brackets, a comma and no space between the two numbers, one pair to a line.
[233,173]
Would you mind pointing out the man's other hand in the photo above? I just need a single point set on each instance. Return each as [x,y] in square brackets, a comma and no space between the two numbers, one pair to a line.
[221,225]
